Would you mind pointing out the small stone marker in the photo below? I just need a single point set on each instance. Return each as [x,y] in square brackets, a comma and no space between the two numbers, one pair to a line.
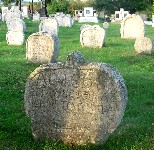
[132,27]
[49,25]
[75,101]
[92,36]
[105,25]
[42,48]
[144,45]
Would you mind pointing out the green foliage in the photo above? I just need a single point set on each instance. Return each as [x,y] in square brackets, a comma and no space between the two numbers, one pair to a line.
[58,6]
[130,5]
[136,129]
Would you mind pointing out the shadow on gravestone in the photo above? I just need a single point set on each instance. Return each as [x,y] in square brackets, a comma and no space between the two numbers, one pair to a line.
[75,101]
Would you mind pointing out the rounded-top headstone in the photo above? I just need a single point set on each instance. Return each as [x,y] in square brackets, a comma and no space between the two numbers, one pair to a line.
[143,45]
[49,25]
[132,27]
[75,101]
[16,24]
[92,36]
[42,48]
[105,25]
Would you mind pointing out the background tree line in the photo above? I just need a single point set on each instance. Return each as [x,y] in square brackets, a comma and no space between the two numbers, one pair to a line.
[109,6]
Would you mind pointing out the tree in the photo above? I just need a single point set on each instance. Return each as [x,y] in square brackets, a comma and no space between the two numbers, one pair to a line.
[130,5]
[57,6]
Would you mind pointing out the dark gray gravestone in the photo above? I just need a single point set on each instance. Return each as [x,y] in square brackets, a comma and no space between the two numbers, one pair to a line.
[75,101]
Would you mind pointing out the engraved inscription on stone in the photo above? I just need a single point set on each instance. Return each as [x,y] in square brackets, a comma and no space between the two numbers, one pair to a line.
[42,48]
[77,102]
[92,36]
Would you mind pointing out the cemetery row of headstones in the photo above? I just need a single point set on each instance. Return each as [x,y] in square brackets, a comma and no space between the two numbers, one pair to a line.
[24,12]
[73,101]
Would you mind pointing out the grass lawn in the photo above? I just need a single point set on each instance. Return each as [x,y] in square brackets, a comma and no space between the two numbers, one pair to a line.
[136,131]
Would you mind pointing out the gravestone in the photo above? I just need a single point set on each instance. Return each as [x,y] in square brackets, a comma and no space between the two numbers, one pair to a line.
[49,25]
[120,15]
[132,27]
[67,20]
[13,13]
[143,45]
[59,17]
[88,15]
[17,25]
[105,25]
[4,12]
[15,38]
[93,36]
[25,12]
[36,16]
[75,101]
[42,48]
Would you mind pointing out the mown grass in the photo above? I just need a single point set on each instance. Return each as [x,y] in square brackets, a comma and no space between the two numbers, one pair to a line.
[136,131]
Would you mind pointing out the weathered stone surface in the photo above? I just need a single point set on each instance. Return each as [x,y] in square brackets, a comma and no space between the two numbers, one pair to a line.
[17,25]
[15,38]
[64,20]
[49,25]
[42,48]
[75,101]
[132,27]
[92,36]
[13,13]
[144,45]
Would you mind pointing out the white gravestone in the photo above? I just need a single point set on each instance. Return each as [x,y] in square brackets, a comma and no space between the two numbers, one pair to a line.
[25,12]
[89,15]
[49,25]
[93,36]
[15,38]
[42,48]
[13,13]
[4,12]
[120,15]
[132,27]
[36,16]
[67,21]
[17,25]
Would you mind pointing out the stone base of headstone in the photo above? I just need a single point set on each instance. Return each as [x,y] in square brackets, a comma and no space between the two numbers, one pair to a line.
[15,38]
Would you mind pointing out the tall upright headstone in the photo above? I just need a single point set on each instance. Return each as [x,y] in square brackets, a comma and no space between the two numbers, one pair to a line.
[49,25]
[132,27]
[4,12]
[75,101]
